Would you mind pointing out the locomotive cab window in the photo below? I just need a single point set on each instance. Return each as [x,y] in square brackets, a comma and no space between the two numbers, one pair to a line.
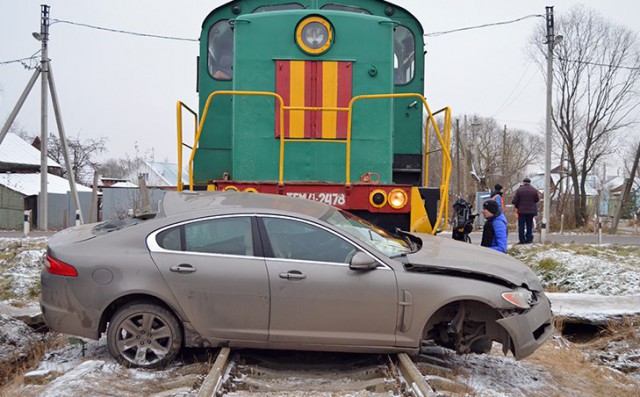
[220,51]
[338,7]
[404,60]
[279,7]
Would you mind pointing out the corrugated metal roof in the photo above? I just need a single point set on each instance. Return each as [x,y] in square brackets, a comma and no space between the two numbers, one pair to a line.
[169,172]
[29,184]
[15,150]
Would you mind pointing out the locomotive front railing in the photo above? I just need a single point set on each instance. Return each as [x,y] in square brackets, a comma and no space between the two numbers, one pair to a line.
[179,106]
[445,175]
[444,143]
[444,140]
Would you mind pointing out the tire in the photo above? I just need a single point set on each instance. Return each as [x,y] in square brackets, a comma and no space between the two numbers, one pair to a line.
[144,335]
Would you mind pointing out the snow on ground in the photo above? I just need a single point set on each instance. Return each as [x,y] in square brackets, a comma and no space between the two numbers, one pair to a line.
[84,367]
[605,270]
[87,369]
[16,339]
[20,265]
[496,375]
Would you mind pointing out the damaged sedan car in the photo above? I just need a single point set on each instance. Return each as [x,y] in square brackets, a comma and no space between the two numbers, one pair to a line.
[265,271]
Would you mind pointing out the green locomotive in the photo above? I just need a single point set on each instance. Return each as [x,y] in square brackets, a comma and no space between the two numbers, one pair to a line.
[322,100]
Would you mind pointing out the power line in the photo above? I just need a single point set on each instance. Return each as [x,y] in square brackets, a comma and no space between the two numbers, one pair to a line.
[15,61]
[435,34]
[509,100]
[31,59]
[123,31]
[600,64]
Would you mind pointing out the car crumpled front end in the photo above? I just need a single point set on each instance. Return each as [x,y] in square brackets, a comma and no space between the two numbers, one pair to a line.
[511,290]
[528,325]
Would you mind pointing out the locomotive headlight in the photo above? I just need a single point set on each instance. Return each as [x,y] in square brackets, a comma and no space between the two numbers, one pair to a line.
[314,35]
[398,198]
[378,198]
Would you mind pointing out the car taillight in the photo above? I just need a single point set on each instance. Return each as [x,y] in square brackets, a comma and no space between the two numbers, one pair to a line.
[59,268]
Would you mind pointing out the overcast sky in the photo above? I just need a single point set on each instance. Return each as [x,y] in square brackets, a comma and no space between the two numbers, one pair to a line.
[125,87]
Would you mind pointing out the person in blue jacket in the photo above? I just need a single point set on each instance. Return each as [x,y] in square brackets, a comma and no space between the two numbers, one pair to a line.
[494,231]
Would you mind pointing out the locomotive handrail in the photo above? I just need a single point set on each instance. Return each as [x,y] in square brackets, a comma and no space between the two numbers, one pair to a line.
[204,116]
[446,166]
[447,138]
[282,138]
[446,157]
[179,106]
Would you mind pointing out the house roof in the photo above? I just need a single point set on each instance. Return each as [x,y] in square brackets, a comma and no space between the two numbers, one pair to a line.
[619,184]
[537,181]
[124,184]
[109,181]
[29,184]
[15,150]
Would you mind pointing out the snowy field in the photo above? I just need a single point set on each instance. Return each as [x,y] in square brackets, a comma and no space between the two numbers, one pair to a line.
[604,361]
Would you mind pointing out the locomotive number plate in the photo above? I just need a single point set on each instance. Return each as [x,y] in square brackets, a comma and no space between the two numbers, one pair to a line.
[327,198]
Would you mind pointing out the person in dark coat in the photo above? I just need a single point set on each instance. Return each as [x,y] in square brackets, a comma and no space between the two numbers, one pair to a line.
[526,201]
[494,231]
[496,195]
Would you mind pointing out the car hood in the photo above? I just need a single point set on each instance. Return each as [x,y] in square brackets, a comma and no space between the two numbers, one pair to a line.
[443,255]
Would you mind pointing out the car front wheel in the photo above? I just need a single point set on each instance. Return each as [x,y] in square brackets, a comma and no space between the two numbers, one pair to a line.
[144,335]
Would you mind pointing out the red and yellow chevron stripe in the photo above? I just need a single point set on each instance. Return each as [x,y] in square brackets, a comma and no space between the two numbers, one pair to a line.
[313,84]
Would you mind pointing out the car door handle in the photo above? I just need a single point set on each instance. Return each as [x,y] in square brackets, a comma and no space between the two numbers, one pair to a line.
[293,275]
[182,268]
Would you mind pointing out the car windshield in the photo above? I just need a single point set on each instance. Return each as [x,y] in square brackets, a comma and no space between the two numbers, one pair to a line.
[390,244]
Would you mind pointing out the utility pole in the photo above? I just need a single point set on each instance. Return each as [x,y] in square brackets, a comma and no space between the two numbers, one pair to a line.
[458,154]
[43,199]
[625,192]
[47,81]
[503,166]
[552,40]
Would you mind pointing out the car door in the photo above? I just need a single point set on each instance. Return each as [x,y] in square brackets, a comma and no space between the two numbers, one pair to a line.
[216,272]
[315,297]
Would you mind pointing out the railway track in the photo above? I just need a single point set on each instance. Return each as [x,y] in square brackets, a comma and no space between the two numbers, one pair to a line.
[286,373]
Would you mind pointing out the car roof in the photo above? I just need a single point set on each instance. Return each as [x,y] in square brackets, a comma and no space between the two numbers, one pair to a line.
[177,203]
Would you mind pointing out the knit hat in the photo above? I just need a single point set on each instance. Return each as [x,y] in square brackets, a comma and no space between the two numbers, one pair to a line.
[498,187]
[491,206]
[526,180]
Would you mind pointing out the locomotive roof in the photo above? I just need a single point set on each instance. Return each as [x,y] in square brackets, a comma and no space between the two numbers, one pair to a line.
[338,2]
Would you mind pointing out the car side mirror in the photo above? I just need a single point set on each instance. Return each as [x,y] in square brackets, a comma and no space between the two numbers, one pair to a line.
[362,261]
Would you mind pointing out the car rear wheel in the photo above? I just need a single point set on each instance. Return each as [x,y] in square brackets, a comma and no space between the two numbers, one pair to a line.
[144,335]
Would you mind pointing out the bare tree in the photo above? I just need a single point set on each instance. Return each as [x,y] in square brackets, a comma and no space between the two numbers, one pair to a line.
[629,157]
[81,155]
[497,154]
[114,168]
[17,129]
[596,71]
[123,167]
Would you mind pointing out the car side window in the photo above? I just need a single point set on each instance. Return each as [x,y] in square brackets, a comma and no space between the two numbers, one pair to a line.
[291,239]
[170,239]
[230,236]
